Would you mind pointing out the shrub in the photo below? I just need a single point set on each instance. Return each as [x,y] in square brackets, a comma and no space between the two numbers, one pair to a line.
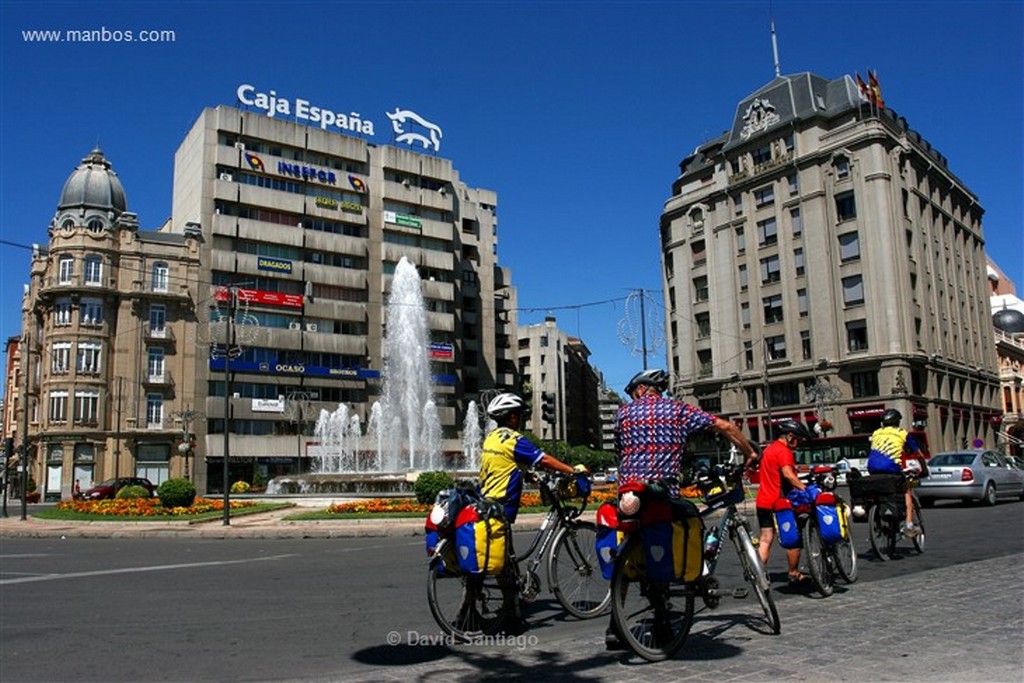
[176,493]
[133,492]
[429,483]
[240,487]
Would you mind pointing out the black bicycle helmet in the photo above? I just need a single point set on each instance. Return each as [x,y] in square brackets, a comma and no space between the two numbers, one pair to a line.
[790,426]
[891,418]
[653,378]
[503,405]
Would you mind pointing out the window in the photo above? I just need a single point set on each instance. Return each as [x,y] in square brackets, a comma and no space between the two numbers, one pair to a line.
[154,411]
[737,205]
[62,313]
[776,347]
[65,270]
[764,196]
[798,261]
[789,143]
[93,270]
[58,406]
[805,344]
[95,225]
[748,355]
[849,247]
[741,241]
[857,335]
[699,252]
[745,314]
[752,398]
[767,232]
[160,277]
[743,278]
[785,393]
[157,320]
[794,185]
[705,364]
[864,384]
[87,360]
[762,154]
[772,309]
[703,321]
[797,221]
[853,290]
[770,271]
[60,358]
[842,167]
[846,207]
[801,302]
[155,364]
[86,407]
[700,288]
[91,311]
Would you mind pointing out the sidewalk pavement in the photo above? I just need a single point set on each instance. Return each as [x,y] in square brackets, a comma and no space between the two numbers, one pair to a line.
[272,524]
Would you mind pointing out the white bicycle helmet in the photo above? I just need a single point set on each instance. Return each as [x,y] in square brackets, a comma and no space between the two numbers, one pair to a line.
[504,404]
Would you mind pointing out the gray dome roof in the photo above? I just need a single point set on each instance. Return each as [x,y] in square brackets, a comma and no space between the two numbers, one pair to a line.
[1009,320]
[93,184]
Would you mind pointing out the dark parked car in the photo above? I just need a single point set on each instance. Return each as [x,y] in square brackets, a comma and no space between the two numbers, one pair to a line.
[971,476]
[106,489]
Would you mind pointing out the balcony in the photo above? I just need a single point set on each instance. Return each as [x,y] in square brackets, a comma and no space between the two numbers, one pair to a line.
[158,379]
[159,333]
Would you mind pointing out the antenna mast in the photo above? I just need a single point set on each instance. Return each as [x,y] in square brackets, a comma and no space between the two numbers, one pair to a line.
[775,43]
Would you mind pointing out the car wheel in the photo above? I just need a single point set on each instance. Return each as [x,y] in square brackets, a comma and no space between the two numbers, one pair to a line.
[990,495]
[927,502]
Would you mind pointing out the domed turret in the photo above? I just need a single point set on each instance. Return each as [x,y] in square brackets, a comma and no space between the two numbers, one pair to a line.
[1009,320]
[93,185]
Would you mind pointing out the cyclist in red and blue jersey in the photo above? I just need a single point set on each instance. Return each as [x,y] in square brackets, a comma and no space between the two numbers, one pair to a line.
[506,455]
[650,440]
[889,444]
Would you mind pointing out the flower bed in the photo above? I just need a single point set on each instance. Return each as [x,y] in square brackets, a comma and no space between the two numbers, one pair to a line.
[529,499]
[146,507]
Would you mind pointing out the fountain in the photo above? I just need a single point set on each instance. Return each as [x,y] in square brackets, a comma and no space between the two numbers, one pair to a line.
[403,432]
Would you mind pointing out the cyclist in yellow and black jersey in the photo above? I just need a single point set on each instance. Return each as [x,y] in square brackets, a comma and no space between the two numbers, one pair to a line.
[506,455]
[889,448]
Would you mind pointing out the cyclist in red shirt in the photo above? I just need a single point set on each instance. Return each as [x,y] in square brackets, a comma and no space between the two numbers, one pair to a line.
[778,477]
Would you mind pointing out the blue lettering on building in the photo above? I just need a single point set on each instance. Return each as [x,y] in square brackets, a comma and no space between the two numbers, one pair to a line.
[307,172]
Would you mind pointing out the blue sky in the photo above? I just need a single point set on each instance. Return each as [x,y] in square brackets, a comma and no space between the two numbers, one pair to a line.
[576,113]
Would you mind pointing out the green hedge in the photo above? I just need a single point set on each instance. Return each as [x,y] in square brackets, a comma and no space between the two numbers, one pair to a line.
[175,493]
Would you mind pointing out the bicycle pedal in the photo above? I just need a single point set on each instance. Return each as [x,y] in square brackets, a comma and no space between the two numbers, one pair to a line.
[740,593]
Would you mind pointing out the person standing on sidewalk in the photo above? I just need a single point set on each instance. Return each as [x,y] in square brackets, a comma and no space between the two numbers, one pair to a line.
[778,477]
[650,440]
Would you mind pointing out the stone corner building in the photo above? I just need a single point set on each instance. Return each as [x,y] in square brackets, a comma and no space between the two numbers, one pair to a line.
[108,316]
[822,261]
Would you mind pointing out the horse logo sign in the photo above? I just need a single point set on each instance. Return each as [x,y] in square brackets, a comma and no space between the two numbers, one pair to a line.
[400,120]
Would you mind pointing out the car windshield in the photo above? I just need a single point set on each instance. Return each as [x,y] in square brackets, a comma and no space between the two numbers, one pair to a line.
[952,460]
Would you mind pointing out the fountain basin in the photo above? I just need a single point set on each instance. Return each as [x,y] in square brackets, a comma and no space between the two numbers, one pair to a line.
[360,483]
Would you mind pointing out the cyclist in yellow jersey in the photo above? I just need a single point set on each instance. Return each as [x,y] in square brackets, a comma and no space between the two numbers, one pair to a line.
[888,445]
[506,455]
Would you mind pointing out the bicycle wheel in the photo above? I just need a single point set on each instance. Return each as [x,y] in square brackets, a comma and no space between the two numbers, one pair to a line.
[845,554]
[574,574]
[814,550]
[755,574]
[465,606]
[878,533]
[653,618]
[918,540]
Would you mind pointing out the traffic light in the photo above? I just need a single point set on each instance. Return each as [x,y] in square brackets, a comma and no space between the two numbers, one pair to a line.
[547,407]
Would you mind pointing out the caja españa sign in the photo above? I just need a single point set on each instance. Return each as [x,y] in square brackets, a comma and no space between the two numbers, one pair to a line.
[408,127]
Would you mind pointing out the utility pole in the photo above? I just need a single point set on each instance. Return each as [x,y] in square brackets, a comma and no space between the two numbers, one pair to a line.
[26,363]
[767,389]
[229,351]
[117,435]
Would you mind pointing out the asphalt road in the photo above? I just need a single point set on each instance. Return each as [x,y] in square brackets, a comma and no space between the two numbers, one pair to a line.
[355,609]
